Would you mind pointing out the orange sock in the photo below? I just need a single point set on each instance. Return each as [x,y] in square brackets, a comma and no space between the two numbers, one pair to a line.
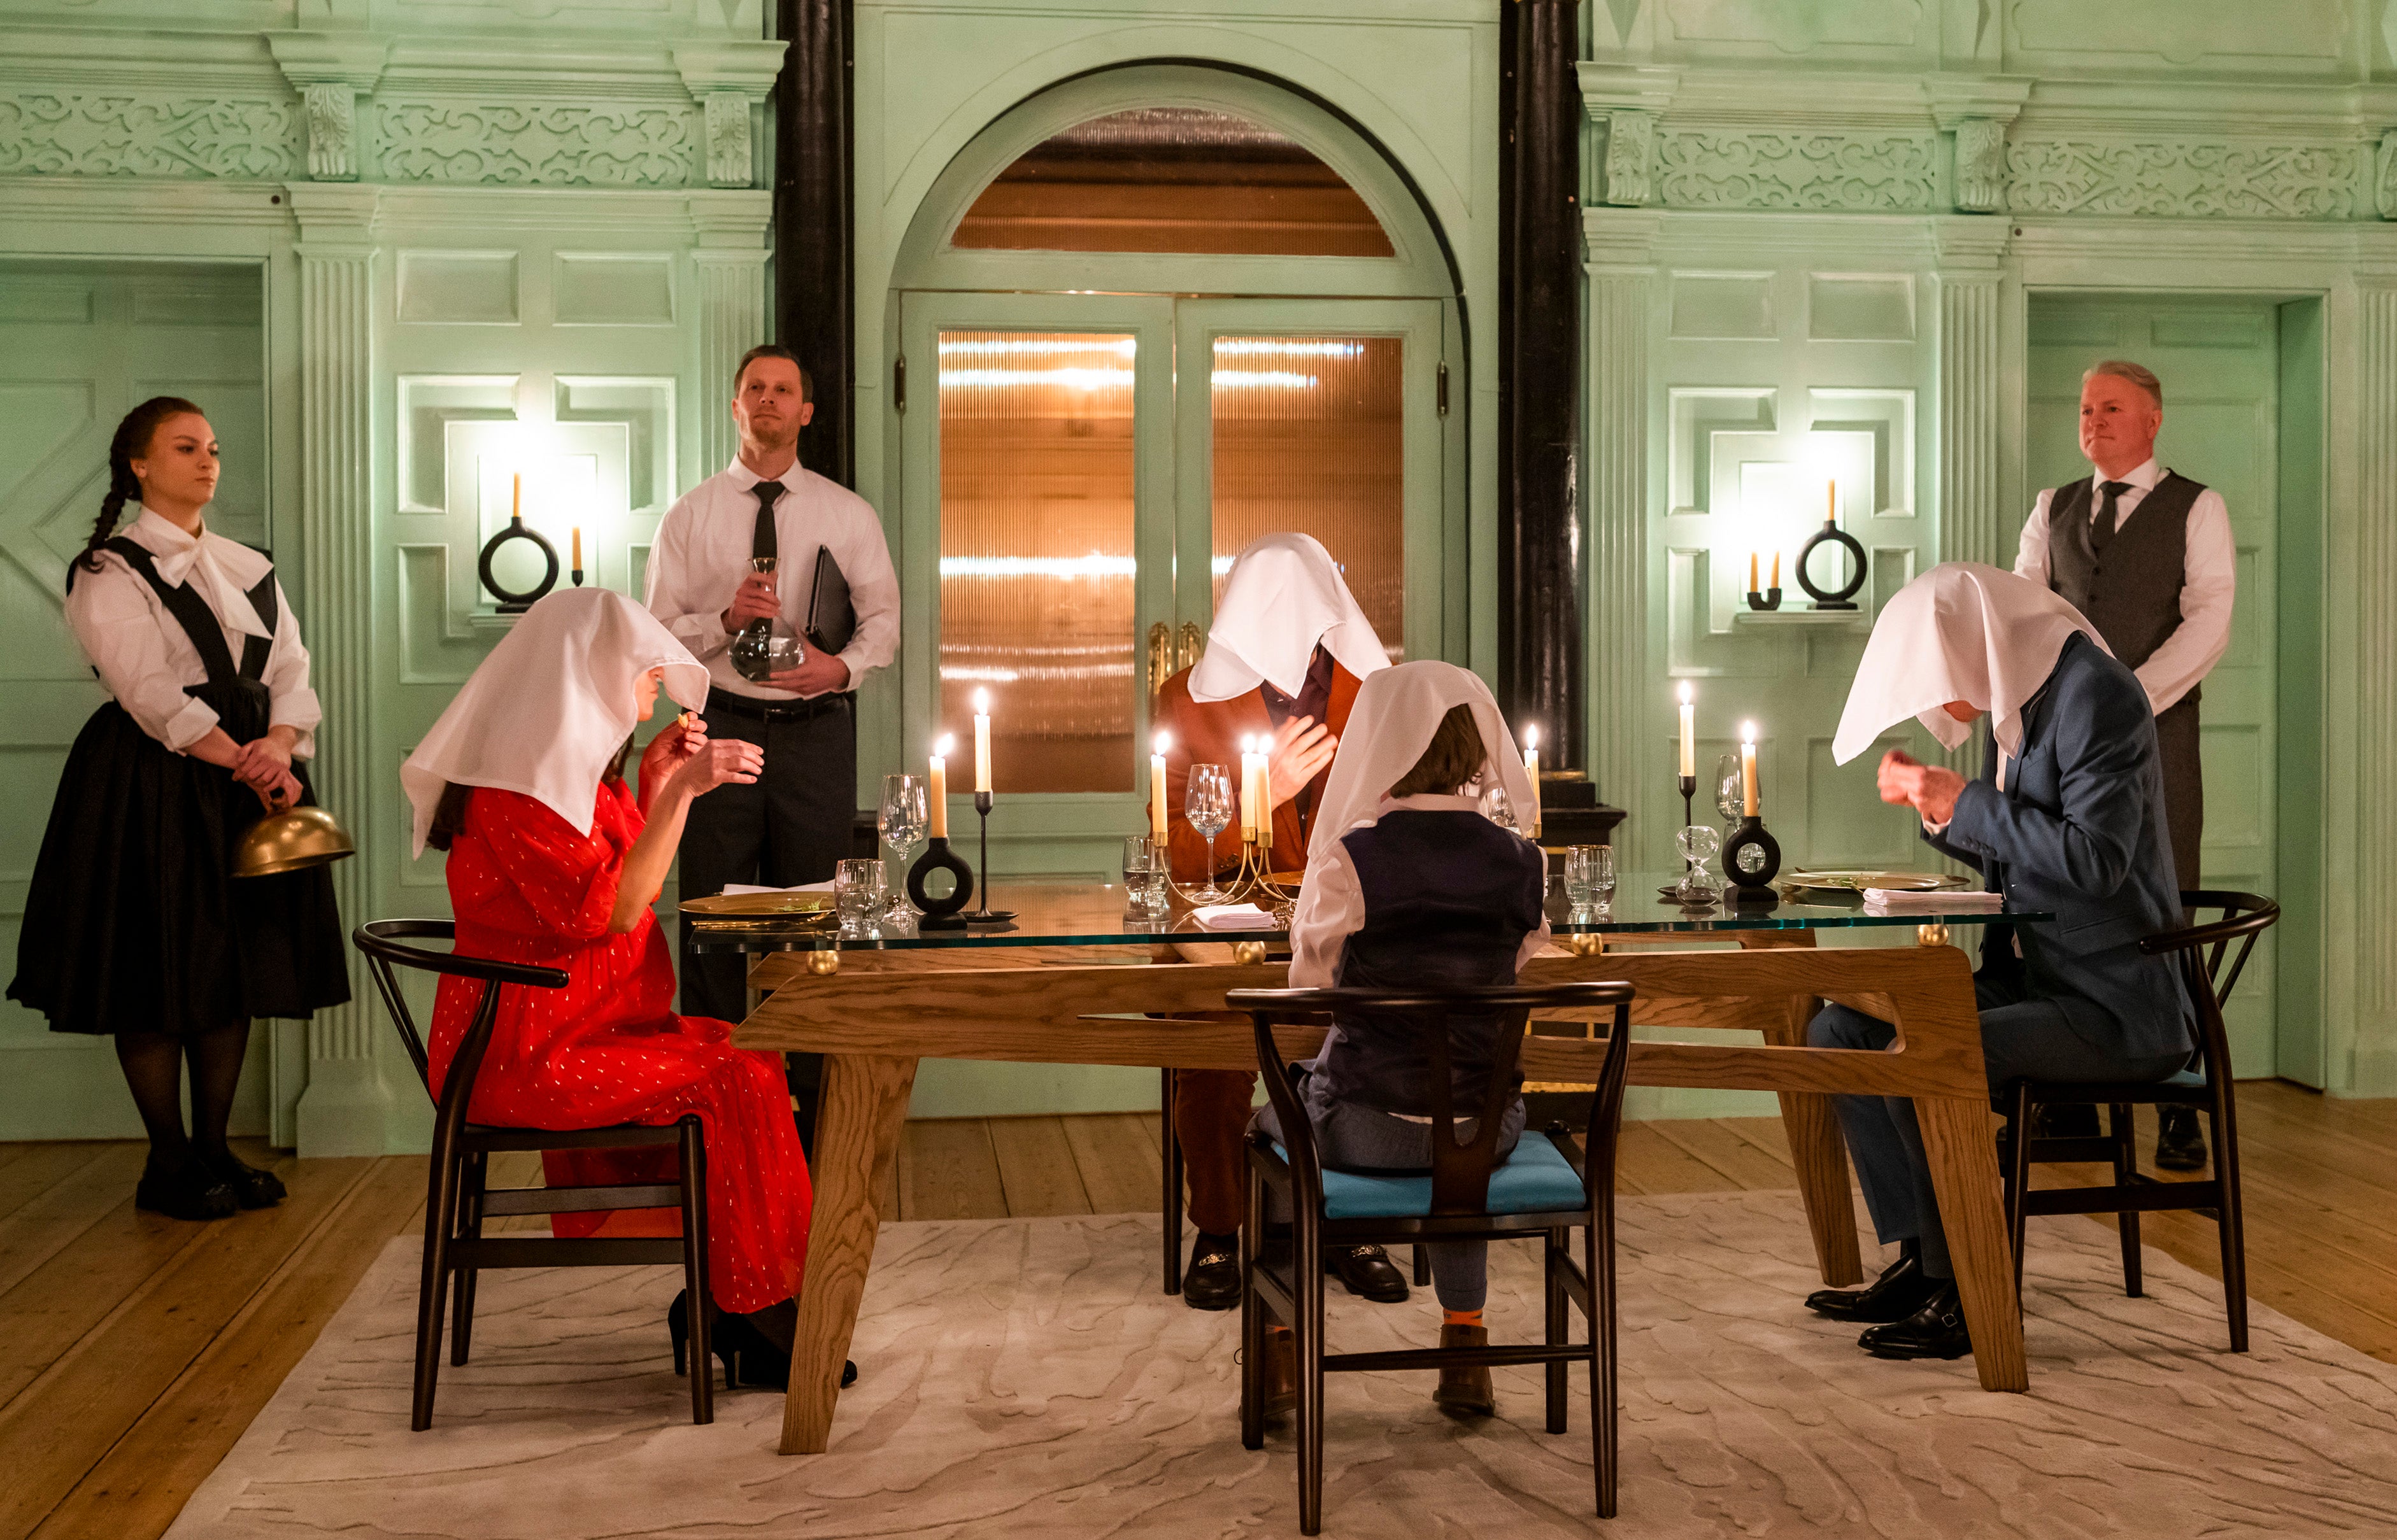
[1460,1318]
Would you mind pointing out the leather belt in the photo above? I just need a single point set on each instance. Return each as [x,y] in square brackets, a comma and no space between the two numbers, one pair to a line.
[779,710]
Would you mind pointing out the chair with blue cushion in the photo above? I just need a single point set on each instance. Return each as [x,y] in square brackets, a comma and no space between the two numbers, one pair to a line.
[1543,1190]
[2209,969]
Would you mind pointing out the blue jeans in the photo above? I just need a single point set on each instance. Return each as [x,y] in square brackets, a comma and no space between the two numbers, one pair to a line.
[1349,1137]
[2050,1039]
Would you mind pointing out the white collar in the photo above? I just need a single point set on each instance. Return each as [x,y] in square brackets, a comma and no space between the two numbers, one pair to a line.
[1430,801]
[744,478]
[2145,477]
[221,571]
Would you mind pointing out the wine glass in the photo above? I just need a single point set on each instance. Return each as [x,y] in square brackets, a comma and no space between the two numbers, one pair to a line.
[1208,804]
[1731,793]
[904,822]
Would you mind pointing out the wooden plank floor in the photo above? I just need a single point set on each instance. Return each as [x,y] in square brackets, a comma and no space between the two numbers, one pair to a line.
[135,1349]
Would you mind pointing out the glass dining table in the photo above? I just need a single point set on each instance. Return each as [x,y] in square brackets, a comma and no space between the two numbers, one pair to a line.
[1065,981]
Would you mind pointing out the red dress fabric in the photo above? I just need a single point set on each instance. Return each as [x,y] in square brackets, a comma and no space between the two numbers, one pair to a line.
[608,1048]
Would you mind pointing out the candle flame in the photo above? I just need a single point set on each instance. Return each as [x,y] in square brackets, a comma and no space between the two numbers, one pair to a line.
[1748,733]
[981,703]
[1160,743]
[1531,738]
[941,749]
[1689,692]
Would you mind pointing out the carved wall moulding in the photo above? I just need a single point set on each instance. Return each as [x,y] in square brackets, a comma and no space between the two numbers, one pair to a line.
[480,144]
[729,156]
[332,132]
[1981,165]
[1630,145]
[2384,186]
[1757,168]
[139,134]
[2183,178]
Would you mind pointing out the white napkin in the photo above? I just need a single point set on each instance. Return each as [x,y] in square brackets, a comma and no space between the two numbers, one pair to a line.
[736,889]
[1901,901]
[1228,917]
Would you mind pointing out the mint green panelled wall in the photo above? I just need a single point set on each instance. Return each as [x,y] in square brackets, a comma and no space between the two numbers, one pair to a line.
[491,238]
[1944,182]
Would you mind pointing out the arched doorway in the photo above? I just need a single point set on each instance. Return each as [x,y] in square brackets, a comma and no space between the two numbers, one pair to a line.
[1144,317]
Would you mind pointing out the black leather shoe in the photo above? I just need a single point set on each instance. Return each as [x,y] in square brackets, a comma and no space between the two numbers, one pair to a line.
[2180,1140]
[252,1188]
[1368,1273]
[190,1191]
[1213,1279]
[2066,1121]
[1937,1331]
[1899,1291]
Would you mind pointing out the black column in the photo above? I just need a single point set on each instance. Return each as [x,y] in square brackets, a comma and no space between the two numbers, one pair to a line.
[1540,589]
[814,305]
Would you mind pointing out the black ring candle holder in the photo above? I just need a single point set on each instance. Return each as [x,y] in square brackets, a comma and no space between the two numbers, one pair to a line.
[1771,598]
[1844,597]
[1750,859]
[940,913]
[510,601]
[986,915]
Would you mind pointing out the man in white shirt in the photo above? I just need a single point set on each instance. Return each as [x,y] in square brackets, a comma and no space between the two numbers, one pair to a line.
[2147,554]
[792,825]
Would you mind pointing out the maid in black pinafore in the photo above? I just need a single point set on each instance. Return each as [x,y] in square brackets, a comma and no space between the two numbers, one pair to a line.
[134,924]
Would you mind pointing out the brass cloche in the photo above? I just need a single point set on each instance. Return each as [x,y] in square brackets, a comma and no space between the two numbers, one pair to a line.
[291,841]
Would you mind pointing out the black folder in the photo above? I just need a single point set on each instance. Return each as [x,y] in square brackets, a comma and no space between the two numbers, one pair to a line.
[831,619]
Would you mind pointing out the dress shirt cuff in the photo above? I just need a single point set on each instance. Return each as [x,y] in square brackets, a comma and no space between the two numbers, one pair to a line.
[1935,829]
[188,725]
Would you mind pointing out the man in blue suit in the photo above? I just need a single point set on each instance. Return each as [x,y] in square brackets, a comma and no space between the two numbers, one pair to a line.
[2067,815]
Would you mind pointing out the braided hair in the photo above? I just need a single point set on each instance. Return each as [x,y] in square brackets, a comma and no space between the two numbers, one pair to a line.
[133,436]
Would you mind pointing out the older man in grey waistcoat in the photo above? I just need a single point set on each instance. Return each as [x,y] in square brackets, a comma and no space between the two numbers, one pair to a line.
[2147,554]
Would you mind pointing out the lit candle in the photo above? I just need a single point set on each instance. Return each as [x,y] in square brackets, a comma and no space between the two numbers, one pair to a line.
[1751,573]
[1689,732]
[1248,788]
[1747,768]
[578,548]
[940,798]
[1776,569]
[1831,501]
[1157,784]
[516,503]
[982,740]
[1532,769]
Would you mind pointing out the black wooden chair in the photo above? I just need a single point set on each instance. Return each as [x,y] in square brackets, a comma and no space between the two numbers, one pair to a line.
[1543,1190]
[457,1201]
[2209,969]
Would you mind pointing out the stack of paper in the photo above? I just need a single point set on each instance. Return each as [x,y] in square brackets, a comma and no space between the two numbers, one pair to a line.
[1901,901]
[1231,917]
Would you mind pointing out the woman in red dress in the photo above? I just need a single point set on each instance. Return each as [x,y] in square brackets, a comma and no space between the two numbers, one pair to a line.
[555,860]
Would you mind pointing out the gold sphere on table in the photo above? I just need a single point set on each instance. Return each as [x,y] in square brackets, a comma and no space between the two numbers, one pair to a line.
[293,840]
[1585,944]
[823,961]
[1932,935]
[1248,951]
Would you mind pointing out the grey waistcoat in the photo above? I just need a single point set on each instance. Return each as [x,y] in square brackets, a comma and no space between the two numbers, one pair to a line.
[2133,596]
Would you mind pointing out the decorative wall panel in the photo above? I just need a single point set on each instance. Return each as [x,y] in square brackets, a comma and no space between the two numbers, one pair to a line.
[2183,178]
[605,289]
[1726,305]
[139,133]
[481,144]
[458,287]
[1759,169]
[1860,307]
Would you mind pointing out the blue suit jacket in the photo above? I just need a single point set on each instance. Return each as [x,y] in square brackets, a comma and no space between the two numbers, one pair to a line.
[2080,830]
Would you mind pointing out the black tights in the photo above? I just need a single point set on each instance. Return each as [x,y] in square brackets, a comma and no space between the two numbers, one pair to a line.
[154,1064]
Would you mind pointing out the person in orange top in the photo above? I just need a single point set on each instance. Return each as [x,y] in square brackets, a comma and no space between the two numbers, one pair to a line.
[1282,663]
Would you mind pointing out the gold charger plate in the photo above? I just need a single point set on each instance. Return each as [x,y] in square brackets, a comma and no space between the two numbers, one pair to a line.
[745,904]
[1854,881]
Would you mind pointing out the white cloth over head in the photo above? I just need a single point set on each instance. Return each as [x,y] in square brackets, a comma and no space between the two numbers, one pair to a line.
[1283,596]
[1391,724]
[1964,631]
[545,712]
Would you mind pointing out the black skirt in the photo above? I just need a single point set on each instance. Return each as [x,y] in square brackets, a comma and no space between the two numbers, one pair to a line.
[133,921]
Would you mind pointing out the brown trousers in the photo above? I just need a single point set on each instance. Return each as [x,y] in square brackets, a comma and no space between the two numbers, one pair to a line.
[1211,1113]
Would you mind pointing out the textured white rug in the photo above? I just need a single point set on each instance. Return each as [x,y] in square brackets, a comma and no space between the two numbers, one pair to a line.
[1025,1377]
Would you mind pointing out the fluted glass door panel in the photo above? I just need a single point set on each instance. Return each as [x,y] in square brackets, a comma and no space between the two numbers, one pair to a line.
[1038,554]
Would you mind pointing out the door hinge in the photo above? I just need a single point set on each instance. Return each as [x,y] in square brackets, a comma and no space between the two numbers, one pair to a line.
[1443,388]
[899,383]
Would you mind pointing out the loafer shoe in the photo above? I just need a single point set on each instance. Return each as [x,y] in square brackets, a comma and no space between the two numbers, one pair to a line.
[252,1188]
[2180,1140]
[1366,1271]
[1899,1291]
[1937,1331]
[1466,1391]
[1211,1282]
[191,1192]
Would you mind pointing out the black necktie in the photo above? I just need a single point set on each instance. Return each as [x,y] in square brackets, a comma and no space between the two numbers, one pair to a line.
[2101,534]
[763,545]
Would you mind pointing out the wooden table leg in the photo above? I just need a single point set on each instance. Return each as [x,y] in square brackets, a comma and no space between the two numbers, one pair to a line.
[857,1142]
[1961,1147]
[1817,1148]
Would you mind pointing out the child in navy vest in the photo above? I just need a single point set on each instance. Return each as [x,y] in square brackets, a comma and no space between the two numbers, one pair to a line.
[1429,892]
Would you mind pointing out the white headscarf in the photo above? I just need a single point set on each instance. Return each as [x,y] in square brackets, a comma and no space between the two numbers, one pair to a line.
[1283,596]
[1391,724]
[1961,632]
[548,709]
